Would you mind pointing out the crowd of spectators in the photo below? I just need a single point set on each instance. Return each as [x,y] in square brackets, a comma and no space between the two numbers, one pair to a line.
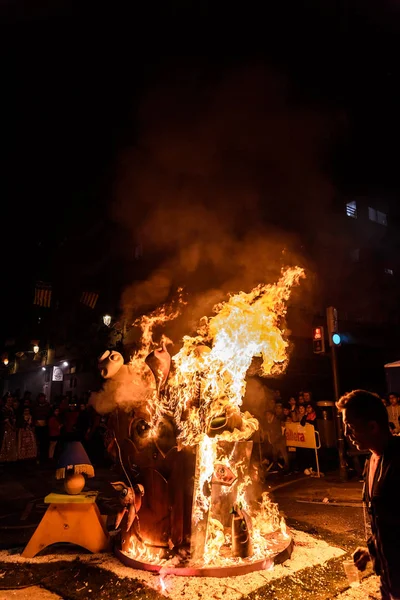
[37,430]
[275,454]
[273,450]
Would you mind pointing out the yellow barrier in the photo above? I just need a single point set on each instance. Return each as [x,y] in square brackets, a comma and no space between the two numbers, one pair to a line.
[303,437]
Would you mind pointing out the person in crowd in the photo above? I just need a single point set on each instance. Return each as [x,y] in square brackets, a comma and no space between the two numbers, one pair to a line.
[41,413]
[366,423]
[393,411]
[286,412]
[274,434]
[307,397]
[301,412]
[26,401]
[292,451]
[96,438]
[55,426]
[64,405]
[70,419]
[27,448]
[8,451]
[16,408]
[300,400]
[82,423]
[279,411]
[306,456]
[293,409]
[310,416]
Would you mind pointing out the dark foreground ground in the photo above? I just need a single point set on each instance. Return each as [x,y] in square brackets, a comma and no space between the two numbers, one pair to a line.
[323,508]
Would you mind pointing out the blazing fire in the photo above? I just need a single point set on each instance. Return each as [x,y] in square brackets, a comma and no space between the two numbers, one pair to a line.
[213,364]
[198,393]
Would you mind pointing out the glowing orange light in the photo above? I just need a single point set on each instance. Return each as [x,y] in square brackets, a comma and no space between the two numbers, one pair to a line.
[317,333]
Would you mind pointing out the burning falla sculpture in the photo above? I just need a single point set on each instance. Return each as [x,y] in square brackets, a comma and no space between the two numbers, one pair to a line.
[183,443]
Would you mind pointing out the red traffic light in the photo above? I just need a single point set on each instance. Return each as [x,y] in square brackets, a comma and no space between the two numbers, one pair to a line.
[317,333]
[318,340]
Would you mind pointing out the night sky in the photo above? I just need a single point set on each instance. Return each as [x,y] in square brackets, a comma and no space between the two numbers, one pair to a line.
[73,82]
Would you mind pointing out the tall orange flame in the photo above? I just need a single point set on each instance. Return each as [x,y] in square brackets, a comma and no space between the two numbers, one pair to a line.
[214,364]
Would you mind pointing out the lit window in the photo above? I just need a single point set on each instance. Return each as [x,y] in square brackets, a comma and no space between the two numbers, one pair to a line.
[377,216]
[389,271]
[351,209]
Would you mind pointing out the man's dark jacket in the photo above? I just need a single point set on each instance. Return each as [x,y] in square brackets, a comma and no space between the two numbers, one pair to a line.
[383,507]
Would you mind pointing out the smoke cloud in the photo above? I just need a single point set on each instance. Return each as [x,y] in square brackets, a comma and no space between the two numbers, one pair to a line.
[222,177]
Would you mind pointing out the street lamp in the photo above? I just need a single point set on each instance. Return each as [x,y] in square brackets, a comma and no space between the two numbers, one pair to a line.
[36,348]
[107,320]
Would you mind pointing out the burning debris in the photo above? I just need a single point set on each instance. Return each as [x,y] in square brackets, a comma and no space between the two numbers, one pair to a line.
[183,442]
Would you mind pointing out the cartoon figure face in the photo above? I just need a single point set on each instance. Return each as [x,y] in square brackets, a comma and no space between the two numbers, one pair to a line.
[223,475]
[131,500]
[110,363]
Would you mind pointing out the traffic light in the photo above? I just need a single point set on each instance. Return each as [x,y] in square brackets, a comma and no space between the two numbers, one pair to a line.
[332,321]
[318,340]
[334,337]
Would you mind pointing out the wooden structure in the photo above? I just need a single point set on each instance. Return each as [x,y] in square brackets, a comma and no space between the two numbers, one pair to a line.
[74,519]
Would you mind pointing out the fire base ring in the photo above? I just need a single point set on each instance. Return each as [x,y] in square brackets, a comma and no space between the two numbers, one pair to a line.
[282,551]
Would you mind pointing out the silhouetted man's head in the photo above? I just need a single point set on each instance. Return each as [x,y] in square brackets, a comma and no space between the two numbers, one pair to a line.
[365,419]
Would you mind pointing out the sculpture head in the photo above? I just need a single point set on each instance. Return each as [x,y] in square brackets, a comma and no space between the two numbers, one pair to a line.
[110,363]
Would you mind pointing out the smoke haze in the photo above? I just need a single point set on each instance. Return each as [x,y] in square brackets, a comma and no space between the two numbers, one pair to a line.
[222,172]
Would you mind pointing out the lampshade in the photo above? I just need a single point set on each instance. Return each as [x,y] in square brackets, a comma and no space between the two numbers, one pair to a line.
[74,460]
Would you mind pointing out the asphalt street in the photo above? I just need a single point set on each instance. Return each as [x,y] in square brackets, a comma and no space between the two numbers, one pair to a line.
[325,508]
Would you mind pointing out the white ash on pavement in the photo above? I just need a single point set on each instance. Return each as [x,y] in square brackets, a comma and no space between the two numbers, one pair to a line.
[308,552]
[33,593]
[367,590]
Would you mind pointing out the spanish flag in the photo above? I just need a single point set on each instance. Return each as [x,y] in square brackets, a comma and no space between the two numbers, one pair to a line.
[42,294]
[89,299]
